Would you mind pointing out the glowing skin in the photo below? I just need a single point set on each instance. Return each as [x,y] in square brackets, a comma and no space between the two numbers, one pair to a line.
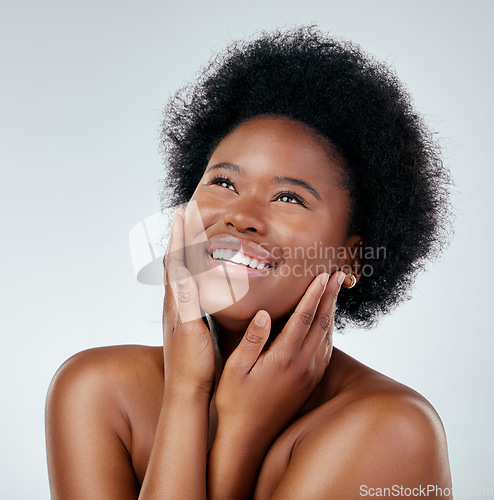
[289,419]
[253,164]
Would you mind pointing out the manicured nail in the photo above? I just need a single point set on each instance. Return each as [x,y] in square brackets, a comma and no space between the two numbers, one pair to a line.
[341,278]
[323,279]
[182,275]
[261,318]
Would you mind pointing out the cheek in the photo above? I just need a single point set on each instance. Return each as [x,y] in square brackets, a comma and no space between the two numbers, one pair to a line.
[311,254]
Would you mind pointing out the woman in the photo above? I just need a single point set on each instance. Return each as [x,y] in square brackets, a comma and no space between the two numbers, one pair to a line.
[315,195]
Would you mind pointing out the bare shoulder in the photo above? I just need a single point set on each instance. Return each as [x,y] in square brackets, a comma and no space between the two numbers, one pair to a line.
[113,361]
[375,433]
[383,405]
[89,408]
[107,372]
[109,381]
[112,357]
[385,436]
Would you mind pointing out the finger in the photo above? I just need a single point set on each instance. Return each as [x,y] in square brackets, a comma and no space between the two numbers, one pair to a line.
[186,298]
[250,347]
[174,256]
[175,250]
[319,339]
[300,321]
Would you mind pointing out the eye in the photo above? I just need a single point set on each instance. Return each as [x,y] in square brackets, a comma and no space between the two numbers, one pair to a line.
[222,181]
[289,197]
[285,196]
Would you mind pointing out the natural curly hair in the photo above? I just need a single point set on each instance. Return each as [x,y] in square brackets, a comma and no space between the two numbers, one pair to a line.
[395,177]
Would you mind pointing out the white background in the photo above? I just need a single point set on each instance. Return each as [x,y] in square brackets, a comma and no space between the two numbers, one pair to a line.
[83,84]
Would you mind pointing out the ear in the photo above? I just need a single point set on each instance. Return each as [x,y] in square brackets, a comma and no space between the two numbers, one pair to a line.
[351,257]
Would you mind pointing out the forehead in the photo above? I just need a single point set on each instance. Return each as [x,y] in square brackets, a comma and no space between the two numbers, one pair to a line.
[266,143]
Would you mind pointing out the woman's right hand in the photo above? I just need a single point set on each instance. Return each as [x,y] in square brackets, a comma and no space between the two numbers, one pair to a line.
[187,342]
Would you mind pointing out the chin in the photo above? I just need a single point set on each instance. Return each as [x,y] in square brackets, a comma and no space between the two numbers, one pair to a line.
[225,299]
[236,296]
[218,302]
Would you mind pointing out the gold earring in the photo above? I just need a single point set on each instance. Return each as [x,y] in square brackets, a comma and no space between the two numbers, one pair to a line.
[354,281]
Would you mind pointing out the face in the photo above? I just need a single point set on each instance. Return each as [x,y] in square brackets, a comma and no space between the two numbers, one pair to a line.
[271,194]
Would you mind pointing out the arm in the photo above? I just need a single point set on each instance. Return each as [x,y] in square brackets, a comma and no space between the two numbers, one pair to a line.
[259,393]
[177,466]
[87,435]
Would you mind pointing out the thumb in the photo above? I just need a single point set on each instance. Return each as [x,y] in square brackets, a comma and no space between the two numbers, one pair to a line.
[253,341]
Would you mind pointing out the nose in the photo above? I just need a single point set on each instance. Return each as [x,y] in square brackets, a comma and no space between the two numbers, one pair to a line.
[246,215]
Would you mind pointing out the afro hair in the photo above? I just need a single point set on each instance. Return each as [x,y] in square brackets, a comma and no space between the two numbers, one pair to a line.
[396,180]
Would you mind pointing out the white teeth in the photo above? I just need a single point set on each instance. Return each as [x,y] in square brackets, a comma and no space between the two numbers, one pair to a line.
[238,258]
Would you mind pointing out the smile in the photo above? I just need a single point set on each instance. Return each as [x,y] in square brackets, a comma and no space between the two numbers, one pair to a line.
[227,268]
[237,257]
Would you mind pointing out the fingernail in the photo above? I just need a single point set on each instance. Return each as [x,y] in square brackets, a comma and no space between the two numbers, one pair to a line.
[261,318]
[182,275]
[323,279]
[341,278]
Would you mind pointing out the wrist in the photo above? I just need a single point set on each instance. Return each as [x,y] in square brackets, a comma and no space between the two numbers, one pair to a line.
[244,439]
[186,393]
[234,462]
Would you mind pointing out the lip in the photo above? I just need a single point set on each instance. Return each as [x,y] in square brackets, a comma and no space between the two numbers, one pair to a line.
[248,247]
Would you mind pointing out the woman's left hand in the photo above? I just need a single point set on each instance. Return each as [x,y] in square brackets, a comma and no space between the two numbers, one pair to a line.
[260,392]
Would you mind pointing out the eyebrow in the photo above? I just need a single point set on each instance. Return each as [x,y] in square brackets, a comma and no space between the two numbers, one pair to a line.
[297,182]
[279,180]
[225,164]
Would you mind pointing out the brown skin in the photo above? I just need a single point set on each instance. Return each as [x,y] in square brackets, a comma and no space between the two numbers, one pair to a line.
[286,415]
